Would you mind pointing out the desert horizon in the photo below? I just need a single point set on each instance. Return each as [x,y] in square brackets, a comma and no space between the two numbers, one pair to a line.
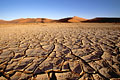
[74,19]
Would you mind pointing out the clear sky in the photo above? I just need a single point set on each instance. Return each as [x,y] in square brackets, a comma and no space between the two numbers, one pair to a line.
[55,9]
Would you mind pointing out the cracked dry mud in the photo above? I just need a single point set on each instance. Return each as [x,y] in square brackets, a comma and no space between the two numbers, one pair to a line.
[60,51]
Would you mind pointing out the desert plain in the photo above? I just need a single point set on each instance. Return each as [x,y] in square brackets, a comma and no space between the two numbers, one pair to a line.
[60,51]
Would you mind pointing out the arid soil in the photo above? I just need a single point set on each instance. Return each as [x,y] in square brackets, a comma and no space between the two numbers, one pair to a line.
[60,51]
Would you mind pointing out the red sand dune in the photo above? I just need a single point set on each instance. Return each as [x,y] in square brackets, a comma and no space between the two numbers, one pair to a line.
[3,21]
[74,19]
[103,20]
[28,20]
[38,20]
[45,20]
[32,20]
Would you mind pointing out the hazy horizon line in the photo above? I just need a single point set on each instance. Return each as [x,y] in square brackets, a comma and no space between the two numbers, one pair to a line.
[60,18]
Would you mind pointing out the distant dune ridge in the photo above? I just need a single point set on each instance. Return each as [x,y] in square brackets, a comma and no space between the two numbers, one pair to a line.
[74,19]
[104,20]
[3,21]
[32,20]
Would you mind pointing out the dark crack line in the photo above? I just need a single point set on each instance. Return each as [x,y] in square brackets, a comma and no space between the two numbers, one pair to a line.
[88,65]
[44,59]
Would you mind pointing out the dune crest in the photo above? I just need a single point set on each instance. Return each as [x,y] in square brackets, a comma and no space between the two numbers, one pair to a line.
[74,19]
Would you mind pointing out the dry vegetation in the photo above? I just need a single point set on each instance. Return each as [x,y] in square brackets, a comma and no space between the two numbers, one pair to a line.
[60,51]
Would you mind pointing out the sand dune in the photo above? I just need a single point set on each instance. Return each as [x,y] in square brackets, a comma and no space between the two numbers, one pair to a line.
[3,21]
[74,19]
[104,20]
[45,20]
[32,20]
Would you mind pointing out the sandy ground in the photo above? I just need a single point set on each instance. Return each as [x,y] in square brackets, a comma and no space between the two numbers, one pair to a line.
[60,51]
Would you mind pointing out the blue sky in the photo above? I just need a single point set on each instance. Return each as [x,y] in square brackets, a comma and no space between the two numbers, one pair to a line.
[55,9]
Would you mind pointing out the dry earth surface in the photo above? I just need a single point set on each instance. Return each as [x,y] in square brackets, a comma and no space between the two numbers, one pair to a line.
[60,51]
